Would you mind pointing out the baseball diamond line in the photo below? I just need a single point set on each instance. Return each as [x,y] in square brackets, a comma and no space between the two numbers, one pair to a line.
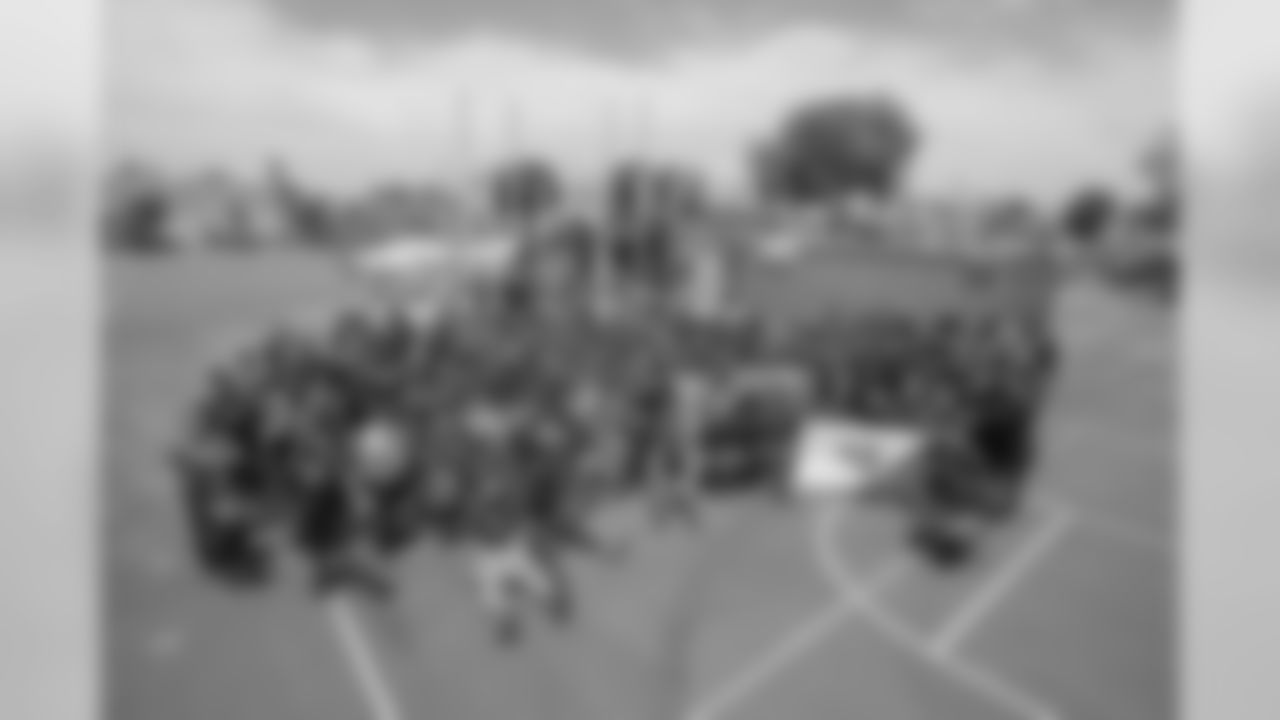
[370,677]
[795,643]
[989,596]
[853,598]
[794,646]
[1141,538]
[859,598]
[826,545]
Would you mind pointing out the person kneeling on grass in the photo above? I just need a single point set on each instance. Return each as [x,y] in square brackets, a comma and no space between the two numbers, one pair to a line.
[500,526]
[504,556]
[340,518]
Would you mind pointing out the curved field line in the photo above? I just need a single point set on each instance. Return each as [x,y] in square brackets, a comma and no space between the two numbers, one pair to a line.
[801,639]
[826,539]
[853,598]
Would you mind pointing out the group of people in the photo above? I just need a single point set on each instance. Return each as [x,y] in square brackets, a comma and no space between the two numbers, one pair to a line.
[499,427]
[974,386]
[345,447]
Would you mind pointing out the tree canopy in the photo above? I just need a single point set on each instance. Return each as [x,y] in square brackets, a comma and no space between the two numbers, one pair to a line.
[526,189]
[311,217]
[1089,213]
[135,209]
[839,146]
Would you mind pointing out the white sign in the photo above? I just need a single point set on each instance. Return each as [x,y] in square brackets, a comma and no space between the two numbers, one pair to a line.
[838,457]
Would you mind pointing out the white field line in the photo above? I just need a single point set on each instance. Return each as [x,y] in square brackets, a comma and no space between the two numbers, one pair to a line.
[361,659]
[997,690]
[855,596]
[799,641]
[795,644]
[971,615]
[1128,533]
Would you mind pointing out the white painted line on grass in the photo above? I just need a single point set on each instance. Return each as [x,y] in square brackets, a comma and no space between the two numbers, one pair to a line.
[962,624]
[998,689]
[361,659]
[794,645]
[857,598]
[799,641]
[978,679]
[1120,531]
[1104,524]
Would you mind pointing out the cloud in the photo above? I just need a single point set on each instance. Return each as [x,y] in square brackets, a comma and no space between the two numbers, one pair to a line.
[195,82]
[1232,79]
[1232,106]
[47,113]
[47,74]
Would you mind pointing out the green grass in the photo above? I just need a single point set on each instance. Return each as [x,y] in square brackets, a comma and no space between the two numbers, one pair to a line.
[244,658]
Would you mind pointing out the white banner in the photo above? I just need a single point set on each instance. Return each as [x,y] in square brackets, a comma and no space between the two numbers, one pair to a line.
[836,456]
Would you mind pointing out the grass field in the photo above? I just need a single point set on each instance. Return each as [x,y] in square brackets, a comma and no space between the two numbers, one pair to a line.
[1071,616]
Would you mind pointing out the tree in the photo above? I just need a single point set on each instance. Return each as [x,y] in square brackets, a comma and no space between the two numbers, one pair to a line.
[395,208]
[839,146]
[1012,214]
[1155,264]
[136,209]
[1089,214]
[1162,168]
[525,190]
[311,218]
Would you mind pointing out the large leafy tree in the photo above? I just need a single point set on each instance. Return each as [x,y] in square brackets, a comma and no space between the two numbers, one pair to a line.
[135,208]
[311,217]
[525,190]
[835,147]
[1089,214]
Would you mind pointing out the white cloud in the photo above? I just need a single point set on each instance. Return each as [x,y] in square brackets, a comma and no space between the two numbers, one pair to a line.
[196,81]
[46,76]
[47,111]
[1233,108]
[1232,79]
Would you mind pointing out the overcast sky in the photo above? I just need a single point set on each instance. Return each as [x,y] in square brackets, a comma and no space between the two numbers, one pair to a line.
[1031,96]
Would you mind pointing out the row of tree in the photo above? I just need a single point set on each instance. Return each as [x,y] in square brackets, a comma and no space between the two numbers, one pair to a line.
[1135,241]
[829,150]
